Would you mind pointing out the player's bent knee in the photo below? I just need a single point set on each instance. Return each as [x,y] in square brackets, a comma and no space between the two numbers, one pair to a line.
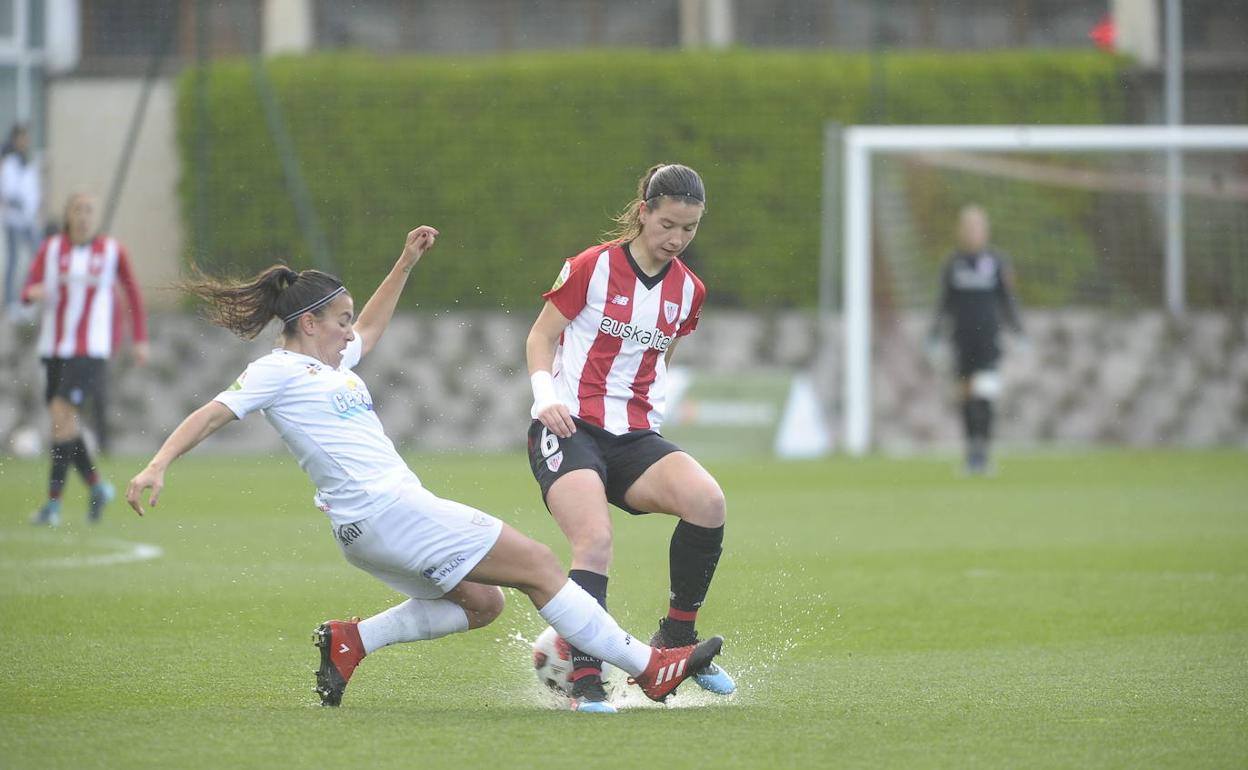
[489,607]
[594,549]
[546,572]
[706,506]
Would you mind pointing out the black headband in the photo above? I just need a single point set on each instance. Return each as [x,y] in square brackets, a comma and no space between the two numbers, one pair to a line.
[652,195]
[314,305]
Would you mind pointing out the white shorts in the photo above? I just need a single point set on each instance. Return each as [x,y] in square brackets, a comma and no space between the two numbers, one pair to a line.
[422,546]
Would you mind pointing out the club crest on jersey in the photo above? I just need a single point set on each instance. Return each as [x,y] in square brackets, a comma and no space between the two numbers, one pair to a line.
[554,461]
[651,338]
[670,309]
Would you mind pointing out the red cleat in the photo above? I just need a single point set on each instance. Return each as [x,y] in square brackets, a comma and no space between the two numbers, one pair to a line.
[669,666]
[341,652]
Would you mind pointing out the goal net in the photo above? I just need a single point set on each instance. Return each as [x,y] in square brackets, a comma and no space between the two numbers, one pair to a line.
[1083,218]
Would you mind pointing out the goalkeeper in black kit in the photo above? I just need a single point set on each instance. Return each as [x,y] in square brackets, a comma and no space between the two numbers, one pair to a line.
[976,298]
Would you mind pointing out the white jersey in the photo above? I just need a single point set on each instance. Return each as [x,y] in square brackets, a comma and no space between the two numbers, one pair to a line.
[326,418]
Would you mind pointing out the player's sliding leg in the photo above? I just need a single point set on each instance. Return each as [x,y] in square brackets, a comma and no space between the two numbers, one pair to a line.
[578,503]
[344,643]
[679,484]
[529,566]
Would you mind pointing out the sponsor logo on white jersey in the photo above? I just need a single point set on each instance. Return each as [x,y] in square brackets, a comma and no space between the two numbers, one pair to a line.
[619,299]
[651,338]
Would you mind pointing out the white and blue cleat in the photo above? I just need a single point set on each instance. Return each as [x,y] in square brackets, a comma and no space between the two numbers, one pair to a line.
[589,694]
[592,706]
[49,515]
[102,493]
[715,679]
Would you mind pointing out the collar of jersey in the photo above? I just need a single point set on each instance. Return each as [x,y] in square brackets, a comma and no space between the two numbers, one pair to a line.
[649,281]
[316,361]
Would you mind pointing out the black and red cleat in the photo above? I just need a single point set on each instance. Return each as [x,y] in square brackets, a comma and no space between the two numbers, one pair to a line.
[669,666]
[341,652]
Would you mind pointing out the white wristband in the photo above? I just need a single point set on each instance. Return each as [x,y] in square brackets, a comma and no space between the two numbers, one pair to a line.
[543,391]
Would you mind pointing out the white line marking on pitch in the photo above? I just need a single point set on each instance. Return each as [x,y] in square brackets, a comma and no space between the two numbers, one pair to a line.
[122,552]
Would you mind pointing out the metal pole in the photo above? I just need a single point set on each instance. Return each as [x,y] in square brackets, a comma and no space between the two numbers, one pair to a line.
[1175,291]
[831,217]
[857,288]
[831,241]
[154,65]
[202,246]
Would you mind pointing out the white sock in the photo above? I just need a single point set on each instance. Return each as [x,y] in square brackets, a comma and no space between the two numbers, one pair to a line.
[412,621]
[586,626]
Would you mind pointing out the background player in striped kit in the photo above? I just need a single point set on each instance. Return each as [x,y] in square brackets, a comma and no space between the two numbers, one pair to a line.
[77,274]
[598,356]
[445,556]
[976,295]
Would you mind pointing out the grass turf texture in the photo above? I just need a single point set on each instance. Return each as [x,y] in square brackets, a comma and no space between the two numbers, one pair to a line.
[1078,610]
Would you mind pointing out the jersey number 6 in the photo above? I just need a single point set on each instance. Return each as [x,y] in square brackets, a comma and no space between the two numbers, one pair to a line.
[550,443]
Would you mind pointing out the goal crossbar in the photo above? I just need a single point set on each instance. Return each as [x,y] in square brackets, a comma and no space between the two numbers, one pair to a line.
[861,143]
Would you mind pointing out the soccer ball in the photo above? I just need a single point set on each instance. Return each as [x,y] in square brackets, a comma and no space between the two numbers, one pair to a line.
[26,442]
[552,661]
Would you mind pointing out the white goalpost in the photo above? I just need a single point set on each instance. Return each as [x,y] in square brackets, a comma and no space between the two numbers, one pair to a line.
[860,144]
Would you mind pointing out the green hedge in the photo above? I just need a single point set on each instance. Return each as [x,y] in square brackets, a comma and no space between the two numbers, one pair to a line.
[521,160]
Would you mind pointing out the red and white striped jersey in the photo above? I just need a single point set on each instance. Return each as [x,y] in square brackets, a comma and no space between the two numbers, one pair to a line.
[80,283]
[609,368]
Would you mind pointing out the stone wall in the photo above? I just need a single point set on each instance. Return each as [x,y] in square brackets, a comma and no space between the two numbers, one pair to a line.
[457,381]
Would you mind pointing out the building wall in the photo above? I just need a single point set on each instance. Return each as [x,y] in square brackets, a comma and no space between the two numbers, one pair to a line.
[457,382]
[87,123]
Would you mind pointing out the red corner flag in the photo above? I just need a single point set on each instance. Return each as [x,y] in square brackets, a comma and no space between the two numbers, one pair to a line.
[1104,33]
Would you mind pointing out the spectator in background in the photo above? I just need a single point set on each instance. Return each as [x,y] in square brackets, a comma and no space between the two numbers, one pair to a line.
[22,197]
[76,274]
[976,296]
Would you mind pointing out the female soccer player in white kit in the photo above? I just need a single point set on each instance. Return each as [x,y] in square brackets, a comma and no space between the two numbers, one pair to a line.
[445,556]
[598,356]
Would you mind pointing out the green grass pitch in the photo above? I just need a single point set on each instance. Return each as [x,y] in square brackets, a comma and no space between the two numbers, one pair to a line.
[1079,610]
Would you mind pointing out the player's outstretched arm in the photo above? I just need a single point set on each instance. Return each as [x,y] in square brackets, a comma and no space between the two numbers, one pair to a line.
[199,425]
[540,349]
[379,309]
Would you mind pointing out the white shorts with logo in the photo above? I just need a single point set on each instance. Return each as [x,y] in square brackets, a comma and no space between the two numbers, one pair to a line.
[422,546]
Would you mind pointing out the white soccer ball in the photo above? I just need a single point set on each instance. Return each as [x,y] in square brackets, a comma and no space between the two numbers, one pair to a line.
[552,661]
[26,442]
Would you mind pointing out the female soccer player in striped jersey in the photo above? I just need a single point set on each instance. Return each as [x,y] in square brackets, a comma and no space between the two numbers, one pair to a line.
[77,274]
[598,356]
[445,556]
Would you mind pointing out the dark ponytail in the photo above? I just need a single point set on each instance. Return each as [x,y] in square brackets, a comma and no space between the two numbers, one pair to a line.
[670,180]
[245,307]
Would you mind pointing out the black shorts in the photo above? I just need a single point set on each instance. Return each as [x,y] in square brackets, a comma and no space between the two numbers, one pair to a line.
[75,379]
[618,460]
[976,354]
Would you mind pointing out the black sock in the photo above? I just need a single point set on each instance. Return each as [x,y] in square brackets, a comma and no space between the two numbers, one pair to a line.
[84,463]
[985,419]
[62,456]
[692,557]
[968,418]
[596,586]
